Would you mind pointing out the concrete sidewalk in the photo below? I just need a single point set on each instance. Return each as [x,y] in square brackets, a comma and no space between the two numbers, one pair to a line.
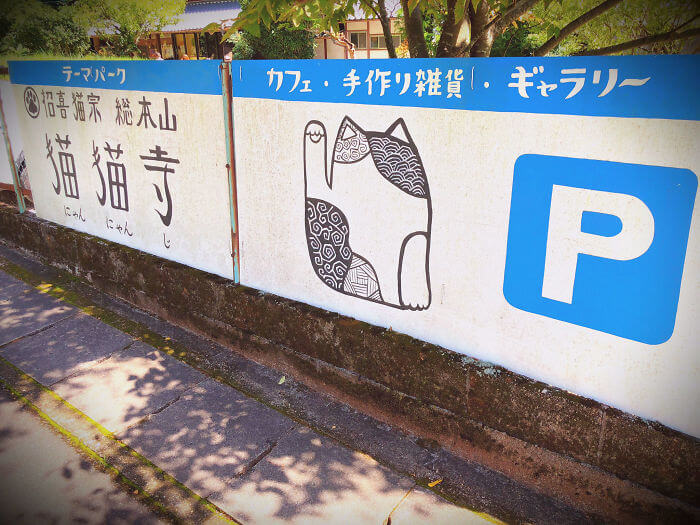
[45,480]
[252,462]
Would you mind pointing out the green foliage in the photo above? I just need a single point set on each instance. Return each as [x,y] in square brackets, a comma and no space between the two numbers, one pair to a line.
[432,22]
[123,22]
[629,20]
[274,40]
[33,27]
[321,15]
[516,41]
[241,48]
[278,41]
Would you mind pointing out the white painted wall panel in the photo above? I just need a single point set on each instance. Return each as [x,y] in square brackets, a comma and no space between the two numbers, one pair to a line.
[469,159]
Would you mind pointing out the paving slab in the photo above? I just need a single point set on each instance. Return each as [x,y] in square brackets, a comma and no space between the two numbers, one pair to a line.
[67,347]
[310,479]
[129,385]
[211,434]
[422,506]
[45,480]
[11,290]
[11,287]
[6,279]
[24,313]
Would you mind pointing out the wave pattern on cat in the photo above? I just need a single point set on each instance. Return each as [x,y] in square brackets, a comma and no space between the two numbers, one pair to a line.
[361,280]
[327,233]
[399,164]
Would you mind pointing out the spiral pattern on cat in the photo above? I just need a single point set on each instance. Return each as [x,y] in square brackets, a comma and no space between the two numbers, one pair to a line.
[351,149]
[327,233]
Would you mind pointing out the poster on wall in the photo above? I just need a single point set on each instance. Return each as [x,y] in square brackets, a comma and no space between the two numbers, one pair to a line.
[534,213]
[130,151]
[15,138]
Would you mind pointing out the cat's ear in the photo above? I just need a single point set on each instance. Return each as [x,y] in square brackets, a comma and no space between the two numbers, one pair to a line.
[399,131]
[348,129]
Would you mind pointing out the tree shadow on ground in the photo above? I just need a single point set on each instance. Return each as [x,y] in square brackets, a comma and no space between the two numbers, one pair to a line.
[44,480]
[252,461]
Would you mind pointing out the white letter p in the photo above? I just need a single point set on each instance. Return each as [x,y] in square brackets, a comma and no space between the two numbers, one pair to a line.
[565,240]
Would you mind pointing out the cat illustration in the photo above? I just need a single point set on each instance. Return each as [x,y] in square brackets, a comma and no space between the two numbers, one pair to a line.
[368,215]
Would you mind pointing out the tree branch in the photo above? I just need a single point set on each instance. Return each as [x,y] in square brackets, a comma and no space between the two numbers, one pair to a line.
[499,22]
[374,10]
[413,23]
[386,27]
[572,26]
[654,39]
[687,22]
[446,32]
[508,44]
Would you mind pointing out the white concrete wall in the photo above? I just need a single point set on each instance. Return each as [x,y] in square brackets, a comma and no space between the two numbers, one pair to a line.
[200,232]
[327,48]
[335,50]
[469,158]
[318,50]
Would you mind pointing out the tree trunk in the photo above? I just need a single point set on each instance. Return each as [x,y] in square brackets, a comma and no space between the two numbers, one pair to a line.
[482,47]
[386,28]
[414,31]
[454,33]
[484,31]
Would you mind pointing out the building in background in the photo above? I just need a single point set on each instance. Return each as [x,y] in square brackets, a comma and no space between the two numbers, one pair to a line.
[365,34]
[185,37]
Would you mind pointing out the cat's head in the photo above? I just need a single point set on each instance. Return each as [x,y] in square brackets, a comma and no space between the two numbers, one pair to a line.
[352,142]
[394,154]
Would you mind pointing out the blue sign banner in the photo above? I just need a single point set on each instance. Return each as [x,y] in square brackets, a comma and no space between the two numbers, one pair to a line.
[652,86]
[163,76]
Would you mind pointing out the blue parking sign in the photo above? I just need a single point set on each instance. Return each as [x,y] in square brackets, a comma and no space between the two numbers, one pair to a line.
[599,244]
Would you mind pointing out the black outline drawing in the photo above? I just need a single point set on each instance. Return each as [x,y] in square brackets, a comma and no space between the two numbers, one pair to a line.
[328,232]
[31,99]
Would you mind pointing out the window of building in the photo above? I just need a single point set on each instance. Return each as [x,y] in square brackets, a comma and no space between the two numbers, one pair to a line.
[190,46]
[180,44]
[166,46]
[359,39]
[378,41]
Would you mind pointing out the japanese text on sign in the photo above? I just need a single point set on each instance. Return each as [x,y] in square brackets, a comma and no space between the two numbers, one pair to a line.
[106,156]
[450,82]
[94,74]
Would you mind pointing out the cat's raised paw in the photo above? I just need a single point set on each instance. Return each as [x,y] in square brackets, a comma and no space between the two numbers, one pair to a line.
[315,131]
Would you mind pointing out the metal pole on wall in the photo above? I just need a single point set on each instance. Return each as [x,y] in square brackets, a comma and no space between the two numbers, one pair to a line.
[231,165]
[11,158]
